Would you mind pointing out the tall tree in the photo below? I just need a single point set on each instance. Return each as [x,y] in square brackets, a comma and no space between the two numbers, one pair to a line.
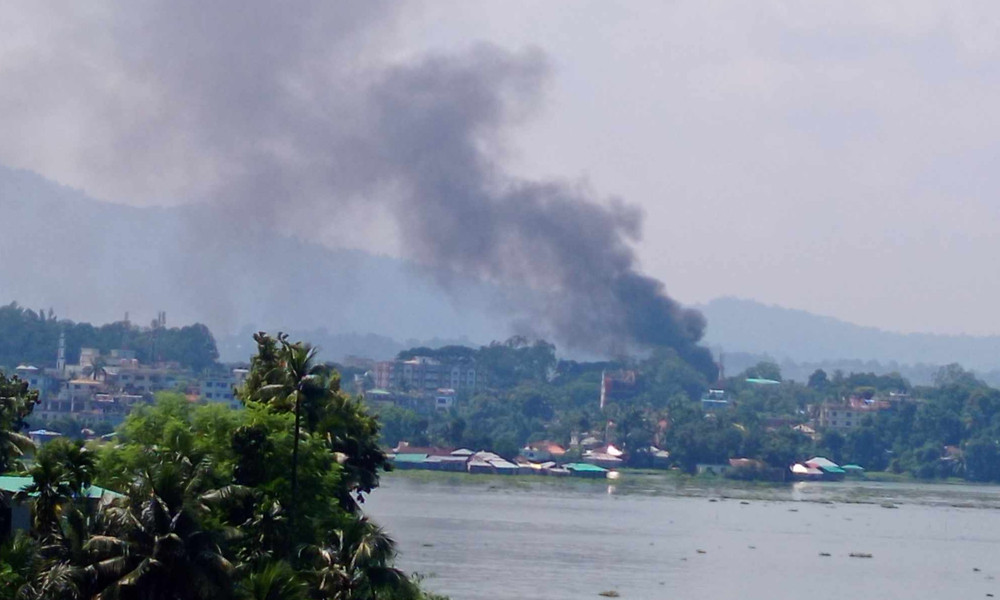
[16,404]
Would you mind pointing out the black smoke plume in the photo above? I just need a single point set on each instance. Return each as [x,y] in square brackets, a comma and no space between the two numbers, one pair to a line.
[292,119]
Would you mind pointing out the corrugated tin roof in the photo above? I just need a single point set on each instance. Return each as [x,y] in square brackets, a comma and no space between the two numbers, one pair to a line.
[800,469]
[449,459]
[502,464]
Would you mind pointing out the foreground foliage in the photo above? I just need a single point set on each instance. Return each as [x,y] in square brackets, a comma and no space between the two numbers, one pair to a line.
[260,503]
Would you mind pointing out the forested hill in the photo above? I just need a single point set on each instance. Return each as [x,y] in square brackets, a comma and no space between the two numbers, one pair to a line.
[94,260]
[32,337]
[737,325]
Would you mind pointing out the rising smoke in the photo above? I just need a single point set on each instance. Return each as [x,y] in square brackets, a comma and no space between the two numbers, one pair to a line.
[289,120]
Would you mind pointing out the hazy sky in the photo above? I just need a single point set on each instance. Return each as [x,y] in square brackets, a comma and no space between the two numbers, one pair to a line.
[837,157]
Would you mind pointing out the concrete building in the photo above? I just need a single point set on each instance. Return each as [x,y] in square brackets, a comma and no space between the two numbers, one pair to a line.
[221,387]
[849,414]
[423,373]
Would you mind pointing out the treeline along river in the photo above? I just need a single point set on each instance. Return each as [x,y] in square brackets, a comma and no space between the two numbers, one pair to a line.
[650,537]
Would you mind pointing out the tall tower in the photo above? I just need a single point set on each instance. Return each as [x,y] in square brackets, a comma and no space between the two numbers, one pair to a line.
[61,355]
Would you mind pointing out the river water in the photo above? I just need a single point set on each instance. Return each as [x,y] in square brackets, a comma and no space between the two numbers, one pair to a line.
[648,536]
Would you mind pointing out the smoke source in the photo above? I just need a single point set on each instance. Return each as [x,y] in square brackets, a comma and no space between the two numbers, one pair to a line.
[292,120]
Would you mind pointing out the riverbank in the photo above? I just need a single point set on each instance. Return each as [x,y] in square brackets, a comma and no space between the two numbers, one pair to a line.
[891,490]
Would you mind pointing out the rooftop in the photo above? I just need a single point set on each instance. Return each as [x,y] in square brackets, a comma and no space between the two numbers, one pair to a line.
[14,484]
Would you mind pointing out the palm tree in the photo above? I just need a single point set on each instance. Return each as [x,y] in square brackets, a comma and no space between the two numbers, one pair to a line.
[157,545]
[16,403]
[97,368]
[80,466]
[48,491]
[292,381]
[60,557]
[19,564]
[357,564]
[284,376]
[352,435]
[275,581]
[13,445]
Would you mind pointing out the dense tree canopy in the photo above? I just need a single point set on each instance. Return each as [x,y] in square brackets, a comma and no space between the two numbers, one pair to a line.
[32,337]
[949,429]
[209,497]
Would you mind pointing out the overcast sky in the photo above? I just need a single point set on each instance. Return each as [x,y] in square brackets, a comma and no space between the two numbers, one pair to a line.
[837,157]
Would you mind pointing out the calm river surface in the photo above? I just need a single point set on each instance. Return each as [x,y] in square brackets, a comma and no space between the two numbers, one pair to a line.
[649,536]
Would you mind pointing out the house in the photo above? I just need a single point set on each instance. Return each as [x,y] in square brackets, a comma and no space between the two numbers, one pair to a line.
[489,462]
[542,451]
[714,400]
[446,463]
[15,514]
[421,401]
[607,456]
[847,415]
[408,460]
[41,437]
[444,399]
[586,470]
[830,469]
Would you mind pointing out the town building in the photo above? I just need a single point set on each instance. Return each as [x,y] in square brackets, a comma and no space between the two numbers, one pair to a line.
[221,387]
[714,400]
[420,401]
[103,389]
[849,414]
[428,374]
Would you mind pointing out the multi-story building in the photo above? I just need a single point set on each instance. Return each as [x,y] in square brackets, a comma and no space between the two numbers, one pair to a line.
[848,414]
[423,402]
[221,387]
[428,374]
[105,388]
[89,402]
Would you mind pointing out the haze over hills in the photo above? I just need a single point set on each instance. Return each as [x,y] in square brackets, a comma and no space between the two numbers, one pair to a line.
[94,261]
[737,325]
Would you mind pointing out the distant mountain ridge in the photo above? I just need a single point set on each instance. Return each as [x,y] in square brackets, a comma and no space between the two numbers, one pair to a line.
[95,261]
[738,325]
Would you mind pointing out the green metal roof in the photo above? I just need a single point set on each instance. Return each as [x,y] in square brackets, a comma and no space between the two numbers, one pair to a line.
[852,467]
[410,458]
[761,381]
[13,484]
[585,467]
